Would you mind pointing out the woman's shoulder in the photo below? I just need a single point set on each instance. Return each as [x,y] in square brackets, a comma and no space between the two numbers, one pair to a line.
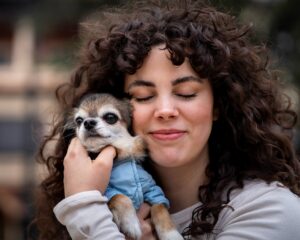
[262,209]
[260,191]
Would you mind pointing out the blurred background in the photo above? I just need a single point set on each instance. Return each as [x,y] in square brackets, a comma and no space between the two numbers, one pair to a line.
[38,42]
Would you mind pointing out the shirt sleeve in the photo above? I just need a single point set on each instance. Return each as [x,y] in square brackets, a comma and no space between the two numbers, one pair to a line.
[86,216]
[274,214]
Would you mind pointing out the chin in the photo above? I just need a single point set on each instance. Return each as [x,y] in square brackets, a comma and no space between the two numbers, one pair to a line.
[94,145]
[167,159]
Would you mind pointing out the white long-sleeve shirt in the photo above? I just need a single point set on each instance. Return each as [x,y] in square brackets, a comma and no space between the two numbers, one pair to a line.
[261,212]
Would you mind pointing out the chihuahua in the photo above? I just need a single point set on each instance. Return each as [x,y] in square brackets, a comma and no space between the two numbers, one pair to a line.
[101,120]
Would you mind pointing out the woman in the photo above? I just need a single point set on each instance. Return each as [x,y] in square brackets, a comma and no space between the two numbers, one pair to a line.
[213,118]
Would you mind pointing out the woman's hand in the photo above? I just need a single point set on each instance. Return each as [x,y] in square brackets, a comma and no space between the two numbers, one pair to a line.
[148,232]
[83,174]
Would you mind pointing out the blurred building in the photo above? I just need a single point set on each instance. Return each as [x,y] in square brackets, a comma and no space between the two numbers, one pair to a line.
[26,104]
[37,41]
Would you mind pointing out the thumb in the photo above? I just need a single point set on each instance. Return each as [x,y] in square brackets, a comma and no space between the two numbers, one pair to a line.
[105,158]
[102,166]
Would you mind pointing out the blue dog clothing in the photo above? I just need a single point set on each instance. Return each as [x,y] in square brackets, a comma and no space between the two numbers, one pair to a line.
[130,179]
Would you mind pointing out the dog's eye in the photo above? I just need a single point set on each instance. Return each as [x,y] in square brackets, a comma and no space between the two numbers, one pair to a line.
[110,118]
[79,120]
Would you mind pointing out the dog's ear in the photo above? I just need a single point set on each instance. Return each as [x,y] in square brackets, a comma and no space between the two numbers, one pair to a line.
[69,127]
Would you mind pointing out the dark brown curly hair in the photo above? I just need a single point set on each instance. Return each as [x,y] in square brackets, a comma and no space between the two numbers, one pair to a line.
[250,139]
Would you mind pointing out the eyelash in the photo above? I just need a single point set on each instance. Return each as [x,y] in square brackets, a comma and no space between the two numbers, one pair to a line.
[187,96]
[131,97]
[184,96]
[144,99]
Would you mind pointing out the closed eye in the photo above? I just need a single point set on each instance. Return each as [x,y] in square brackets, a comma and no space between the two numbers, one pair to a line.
[186,96]
[142,99]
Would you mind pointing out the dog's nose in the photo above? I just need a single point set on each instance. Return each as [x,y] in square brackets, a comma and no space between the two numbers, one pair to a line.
[89,124]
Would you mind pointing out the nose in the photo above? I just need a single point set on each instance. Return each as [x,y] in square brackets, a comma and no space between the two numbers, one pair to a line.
[166,109]
[89,124]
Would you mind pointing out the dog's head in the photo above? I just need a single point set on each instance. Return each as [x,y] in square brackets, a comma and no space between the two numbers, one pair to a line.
[100,120]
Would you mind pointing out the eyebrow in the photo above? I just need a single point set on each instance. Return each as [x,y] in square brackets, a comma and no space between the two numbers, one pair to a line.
[139,82]
[145,83]
[187,79]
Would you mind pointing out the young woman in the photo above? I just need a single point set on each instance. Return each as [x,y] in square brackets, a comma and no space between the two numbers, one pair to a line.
[212,115]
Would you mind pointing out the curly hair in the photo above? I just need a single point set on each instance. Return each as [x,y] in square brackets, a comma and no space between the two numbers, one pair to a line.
[250,139]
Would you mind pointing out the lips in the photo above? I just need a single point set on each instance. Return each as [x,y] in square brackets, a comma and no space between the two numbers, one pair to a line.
[167,134]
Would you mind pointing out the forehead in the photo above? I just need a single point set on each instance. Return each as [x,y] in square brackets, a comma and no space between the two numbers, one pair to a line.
[157,67]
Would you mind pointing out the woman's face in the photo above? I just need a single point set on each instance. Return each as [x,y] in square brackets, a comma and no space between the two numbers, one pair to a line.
[172,109]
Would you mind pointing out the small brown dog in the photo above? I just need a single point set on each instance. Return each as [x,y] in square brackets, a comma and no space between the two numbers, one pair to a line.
[101,120]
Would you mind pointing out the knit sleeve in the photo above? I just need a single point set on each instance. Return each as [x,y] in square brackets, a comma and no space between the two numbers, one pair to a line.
[86,216]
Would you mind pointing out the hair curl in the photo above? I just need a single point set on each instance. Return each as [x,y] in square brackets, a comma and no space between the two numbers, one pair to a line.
[248,141]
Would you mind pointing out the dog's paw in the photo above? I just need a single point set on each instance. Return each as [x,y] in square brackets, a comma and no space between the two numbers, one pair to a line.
[128,223]
[131,228]
[125,217]
[163,224]
[172,234]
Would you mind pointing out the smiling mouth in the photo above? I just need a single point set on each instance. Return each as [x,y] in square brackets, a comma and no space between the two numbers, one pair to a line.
[167,135]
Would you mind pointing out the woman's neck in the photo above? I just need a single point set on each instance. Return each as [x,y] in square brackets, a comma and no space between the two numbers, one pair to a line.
[181,184]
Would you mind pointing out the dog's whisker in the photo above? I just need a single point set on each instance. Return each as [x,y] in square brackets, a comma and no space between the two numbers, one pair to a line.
[69,125]
[70,134]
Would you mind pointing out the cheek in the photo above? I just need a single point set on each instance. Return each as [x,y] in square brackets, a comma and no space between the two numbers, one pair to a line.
[200,122]
[204,114]
[140,118]
[205,109]
[198,113]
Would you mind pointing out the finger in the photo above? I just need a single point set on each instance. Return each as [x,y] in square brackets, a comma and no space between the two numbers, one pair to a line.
[144,211]
[148,231]
[102,166]
[76,148]
[106,157]
[146,226]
